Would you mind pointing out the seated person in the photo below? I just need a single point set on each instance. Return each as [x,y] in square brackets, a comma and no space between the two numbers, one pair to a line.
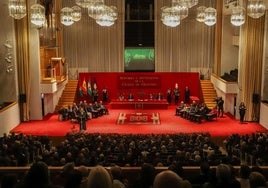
[121,96]
[91,111]
[151,96]
[159,96]
[212,114]
[103,108]
[63,114]
[180,108]
[130,96]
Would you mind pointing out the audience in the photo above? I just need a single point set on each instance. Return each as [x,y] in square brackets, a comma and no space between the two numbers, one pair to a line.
[80,150]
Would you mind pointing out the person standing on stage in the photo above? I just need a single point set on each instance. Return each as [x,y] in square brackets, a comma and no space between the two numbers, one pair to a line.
[220,103]
[187,94]
[169,96]
[82,117]
[242,111]
[176,94]
[105,95]
[95,93]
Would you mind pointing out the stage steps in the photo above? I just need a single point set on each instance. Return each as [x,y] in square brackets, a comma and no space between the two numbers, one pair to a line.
[68,95]
[209,93]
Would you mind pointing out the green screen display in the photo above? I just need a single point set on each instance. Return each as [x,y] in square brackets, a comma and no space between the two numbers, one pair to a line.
[139,59]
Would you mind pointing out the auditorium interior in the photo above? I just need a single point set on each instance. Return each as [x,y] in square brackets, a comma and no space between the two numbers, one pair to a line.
[39,61]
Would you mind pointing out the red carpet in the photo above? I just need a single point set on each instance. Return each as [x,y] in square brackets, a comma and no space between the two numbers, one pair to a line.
[169,124]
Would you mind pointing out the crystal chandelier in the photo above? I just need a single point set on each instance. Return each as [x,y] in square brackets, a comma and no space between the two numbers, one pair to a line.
[66,16]
[182,11]
[200,13]
[185,3]
[38,16]
[238,16]
[256,8]
[76,14]
[210,16]
[17,8]
[94,10]
[86,3]
[107,17]
[170,16]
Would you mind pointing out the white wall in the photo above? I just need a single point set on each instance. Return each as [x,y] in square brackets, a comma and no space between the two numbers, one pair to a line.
[9,119]
[230,52]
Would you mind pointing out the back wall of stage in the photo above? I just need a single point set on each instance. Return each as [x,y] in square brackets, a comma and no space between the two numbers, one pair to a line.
[141,84]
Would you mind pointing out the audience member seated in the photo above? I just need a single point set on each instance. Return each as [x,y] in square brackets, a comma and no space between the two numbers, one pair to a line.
[99,177]
[257,180]
[146,176]
[170,179]
[37,176]
[117,176]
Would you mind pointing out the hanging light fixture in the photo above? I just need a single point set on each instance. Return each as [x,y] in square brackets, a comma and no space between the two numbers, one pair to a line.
[83,3]
[17,8]
[238,16]
[107,17]
[95,9]
[170,16]
[256,8]
[77,14]
[38,16]
[200,13]
[182,11]
[185,3]
[210,16]
[66,16]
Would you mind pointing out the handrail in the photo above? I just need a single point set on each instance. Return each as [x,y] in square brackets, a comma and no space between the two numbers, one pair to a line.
[9,106]
[219,78]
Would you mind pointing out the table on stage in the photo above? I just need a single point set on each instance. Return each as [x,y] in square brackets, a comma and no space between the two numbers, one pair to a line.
[139,104]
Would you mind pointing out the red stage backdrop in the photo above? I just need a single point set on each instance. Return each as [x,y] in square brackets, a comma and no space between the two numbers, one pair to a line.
[138,83]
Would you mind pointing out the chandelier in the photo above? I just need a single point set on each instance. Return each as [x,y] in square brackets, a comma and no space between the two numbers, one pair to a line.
[107,17]
[256,8]
[200,13]
[170,16]
[66,16]
[17,8]
[87,3]
[238,16]
[185,3]
[94,10]
[104,15]
[76,14]
[38,16]
[210,16]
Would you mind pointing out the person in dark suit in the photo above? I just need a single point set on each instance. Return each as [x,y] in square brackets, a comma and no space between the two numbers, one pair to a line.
[95,93]
[169,96]
[220,103]
[176,94]
[105,95]
[242,111]
[82,118]
[187,94]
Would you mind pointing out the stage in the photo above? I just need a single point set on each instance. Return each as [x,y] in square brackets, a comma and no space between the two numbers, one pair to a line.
[170,124]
